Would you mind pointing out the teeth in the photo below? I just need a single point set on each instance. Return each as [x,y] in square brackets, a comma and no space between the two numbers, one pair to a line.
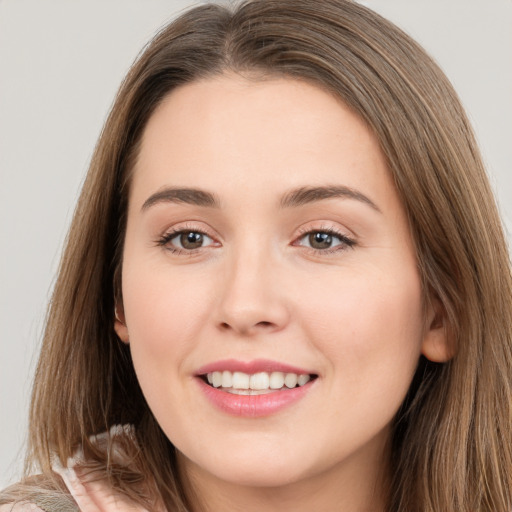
[277,380]
[247,391]
[227,379]
[303,379]
[290,380]
[261,381]
[240,380]
[217,379]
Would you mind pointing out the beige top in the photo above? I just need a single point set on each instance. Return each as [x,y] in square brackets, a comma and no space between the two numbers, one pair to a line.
[89,493]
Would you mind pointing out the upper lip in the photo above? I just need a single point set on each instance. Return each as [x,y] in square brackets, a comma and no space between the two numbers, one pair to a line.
[251,367]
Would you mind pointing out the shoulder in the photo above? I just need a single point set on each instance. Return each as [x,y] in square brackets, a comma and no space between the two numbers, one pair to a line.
[20,507]
[49,506]
[80,484]
[89,479]
[38,494]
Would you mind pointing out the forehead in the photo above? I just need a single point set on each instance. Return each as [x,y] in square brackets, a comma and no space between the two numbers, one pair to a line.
[234,134]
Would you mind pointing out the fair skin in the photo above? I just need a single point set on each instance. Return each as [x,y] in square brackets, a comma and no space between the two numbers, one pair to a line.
[329,285]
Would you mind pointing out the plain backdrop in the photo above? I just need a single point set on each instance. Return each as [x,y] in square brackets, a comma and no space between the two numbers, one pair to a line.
[61,62]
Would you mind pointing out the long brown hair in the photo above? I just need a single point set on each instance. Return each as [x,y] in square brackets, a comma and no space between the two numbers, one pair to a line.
[452,444]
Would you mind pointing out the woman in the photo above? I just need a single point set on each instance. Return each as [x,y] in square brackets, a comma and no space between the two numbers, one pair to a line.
[286,284]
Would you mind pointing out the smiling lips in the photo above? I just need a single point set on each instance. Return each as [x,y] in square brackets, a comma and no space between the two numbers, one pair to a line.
[258,388]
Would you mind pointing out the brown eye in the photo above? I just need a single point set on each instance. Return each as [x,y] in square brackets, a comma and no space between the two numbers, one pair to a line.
[185,240]
[320,240]
[191,240]
[325,241]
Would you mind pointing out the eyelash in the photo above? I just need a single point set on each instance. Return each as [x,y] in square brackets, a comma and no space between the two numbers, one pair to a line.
[346,242]
[165,239]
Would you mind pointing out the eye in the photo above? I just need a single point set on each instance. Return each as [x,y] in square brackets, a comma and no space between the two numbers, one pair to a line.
[185,240]
[325,240]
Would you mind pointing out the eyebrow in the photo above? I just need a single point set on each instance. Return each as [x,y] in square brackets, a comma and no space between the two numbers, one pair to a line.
[192,196]
[293,199]
[306,195]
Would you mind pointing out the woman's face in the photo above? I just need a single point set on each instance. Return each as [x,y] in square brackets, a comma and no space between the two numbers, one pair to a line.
[266,245]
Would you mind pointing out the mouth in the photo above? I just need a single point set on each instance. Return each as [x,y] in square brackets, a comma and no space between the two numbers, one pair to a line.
[260,383]
[254,389]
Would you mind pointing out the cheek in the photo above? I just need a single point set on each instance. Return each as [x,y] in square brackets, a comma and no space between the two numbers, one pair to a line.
[165,310]
[369,325]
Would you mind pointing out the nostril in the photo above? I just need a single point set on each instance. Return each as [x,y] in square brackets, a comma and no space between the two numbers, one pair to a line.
[264,324]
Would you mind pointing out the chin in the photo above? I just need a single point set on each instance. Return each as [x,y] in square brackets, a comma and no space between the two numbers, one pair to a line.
[260,469]
[260,475]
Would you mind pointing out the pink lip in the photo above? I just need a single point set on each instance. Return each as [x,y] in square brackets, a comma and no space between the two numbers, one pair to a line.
[255,366]
[254,406]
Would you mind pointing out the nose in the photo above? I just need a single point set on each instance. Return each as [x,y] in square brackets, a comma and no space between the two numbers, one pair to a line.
[253,298]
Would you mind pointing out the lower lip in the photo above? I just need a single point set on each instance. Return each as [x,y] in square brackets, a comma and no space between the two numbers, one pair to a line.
[254,406]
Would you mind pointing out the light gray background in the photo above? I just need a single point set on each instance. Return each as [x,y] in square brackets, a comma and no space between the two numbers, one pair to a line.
[61,62]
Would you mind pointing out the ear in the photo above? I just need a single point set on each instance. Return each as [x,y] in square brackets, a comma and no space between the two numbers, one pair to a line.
[120,324]
[437,345]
